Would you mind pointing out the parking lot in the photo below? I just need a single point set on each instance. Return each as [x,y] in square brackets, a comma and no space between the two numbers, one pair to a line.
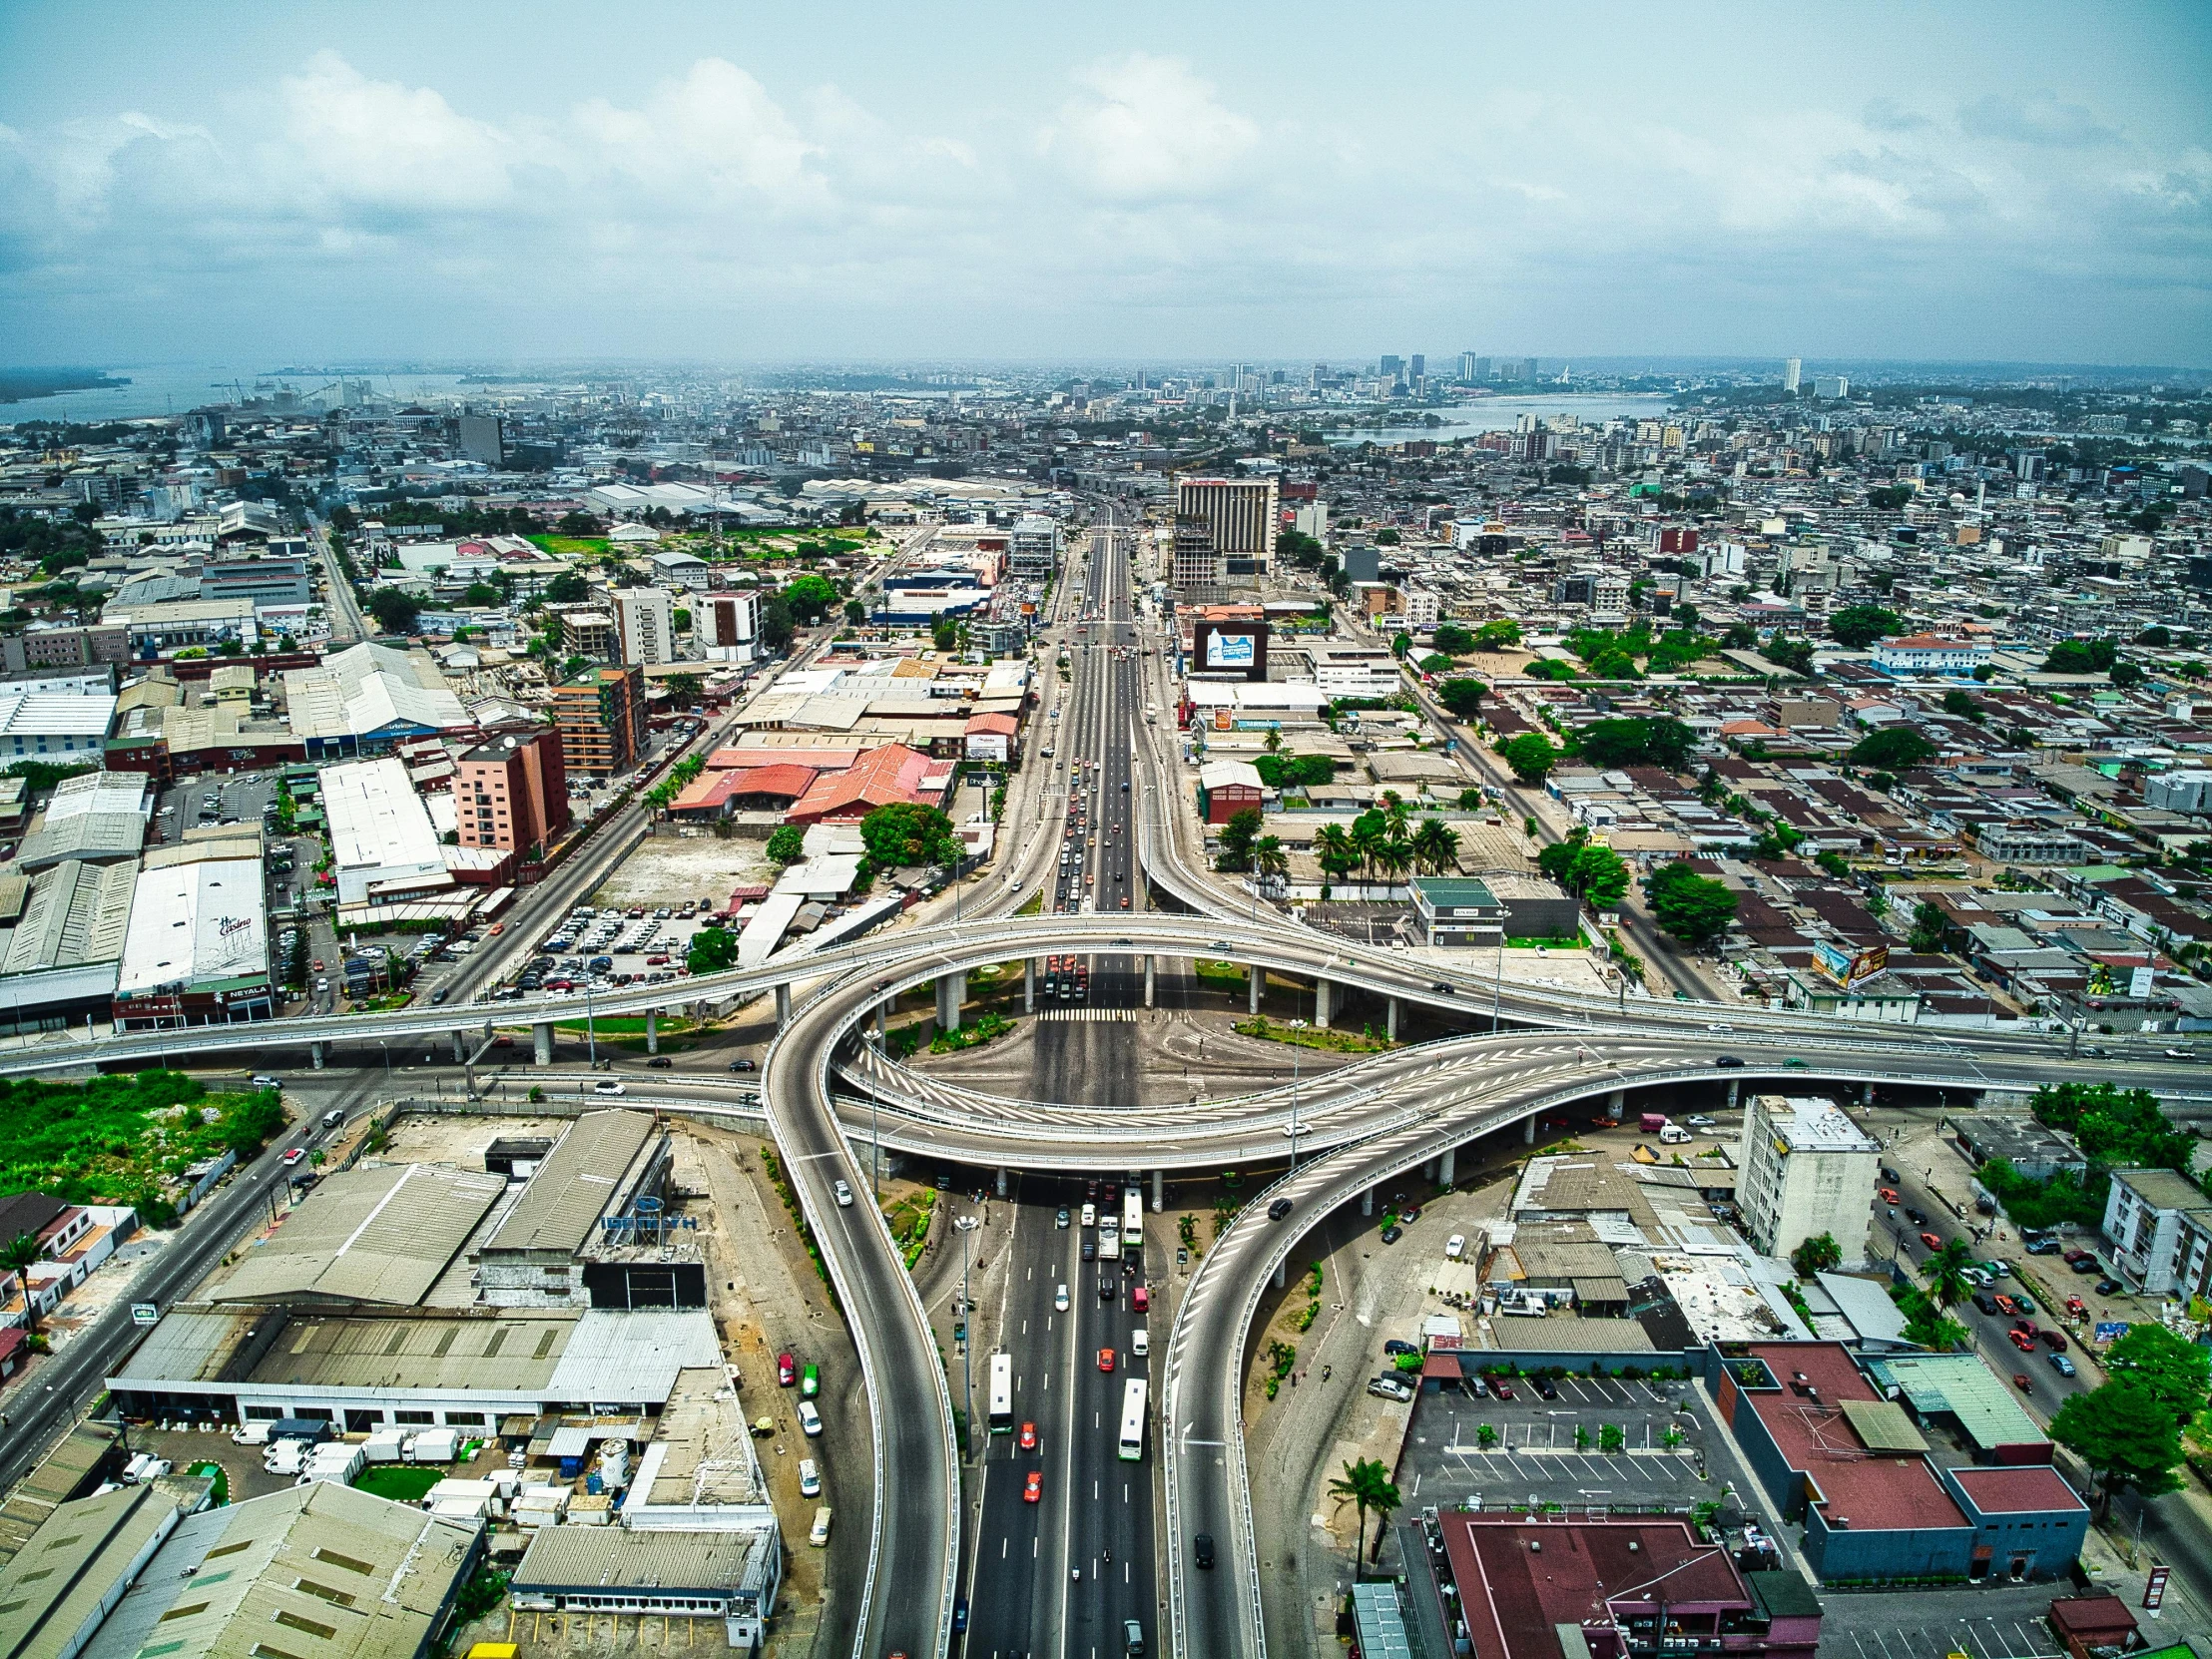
[606,948]
[2000,1621]
[1642,1446]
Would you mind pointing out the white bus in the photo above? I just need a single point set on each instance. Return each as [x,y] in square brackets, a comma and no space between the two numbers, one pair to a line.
[1132,1221]
[1109,1239]
[1002,1393]
[1132,1421]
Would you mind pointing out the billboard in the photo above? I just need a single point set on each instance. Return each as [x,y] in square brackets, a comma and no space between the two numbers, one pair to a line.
[1231,650]
[1847,967]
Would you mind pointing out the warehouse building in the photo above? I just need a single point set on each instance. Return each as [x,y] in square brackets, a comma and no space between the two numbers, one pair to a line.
[62,956]
[322,1570]
[363,699]
[383,843]
[98,816]
[195,951]
[730,1577]
[378,1236]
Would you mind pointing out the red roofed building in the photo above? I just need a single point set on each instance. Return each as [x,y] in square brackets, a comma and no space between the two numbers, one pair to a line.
[1523,1583]
[881,778]
[2028,1522]
[990,737]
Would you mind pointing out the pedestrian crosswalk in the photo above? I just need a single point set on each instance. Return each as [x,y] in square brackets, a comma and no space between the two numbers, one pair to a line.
[1091,1016]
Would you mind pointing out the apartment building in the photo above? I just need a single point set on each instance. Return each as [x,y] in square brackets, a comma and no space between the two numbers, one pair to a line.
[512,790]
[1807,1170]
[645,626]
[728,625]
[601,718]
[1033,549]
[1241,514]
[2159,1224]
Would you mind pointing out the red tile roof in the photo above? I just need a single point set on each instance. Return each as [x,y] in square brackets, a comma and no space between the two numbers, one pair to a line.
[1874,1493]
[784,778]
[1005,723]
[1512,1594]
[880,778]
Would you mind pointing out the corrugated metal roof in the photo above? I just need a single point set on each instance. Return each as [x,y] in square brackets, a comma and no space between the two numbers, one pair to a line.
[1965,1387]
[367,1234]
[666,1562]
[53,1588]
[1883,1426]
[77,915]
[574,1185]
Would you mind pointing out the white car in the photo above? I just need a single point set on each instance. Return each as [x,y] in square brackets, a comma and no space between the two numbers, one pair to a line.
[844,1195]
[608,1087]
[810,1479]
[1140,1342]
[810,1419]
[1060,1299]
[1455,1247]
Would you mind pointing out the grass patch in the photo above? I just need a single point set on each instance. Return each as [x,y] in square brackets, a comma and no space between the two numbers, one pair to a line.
[1565,942]
[1033,905]
[1228,973]
[590,547]
[1310,1037]
[125,1140]
[909,1223]
[219,1493]
[973,1034]
[402,1482]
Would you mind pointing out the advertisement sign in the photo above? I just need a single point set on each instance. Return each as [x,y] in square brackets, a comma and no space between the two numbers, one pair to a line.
[1847,968]
[2111,1331]
[1229,650]
[2154,1589]
[2139,981]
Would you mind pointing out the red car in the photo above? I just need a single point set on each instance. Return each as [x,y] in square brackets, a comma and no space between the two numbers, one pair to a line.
[1889,1194]
[787,1370]
[1933,1241]
[2022,1341]
[1140,1299]
[2077,1307]
[1033,1490]
[293,1156]
[1028,1436]
[2056,1341]
[1502,1388]
[2005,1305]
[1106,1359]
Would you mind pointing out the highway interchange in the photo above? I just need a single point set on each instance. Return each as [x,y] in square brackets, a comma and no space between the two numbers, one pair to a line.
[1363,1127]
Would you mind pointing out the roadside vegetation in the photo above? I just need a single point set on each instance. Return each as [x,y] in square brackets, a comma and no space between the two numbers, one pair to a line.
[125,1140]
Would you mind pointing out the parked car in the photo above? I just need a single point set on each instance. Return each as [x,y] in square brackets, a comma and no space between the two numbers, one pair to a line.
[1396,1346]
[1501,1388]
[1390,1387]
[1455,1247]
[1547,1387]
[1984,1303]
[1390,1234]
[787,1370]
[2109,1287]
[810,1419]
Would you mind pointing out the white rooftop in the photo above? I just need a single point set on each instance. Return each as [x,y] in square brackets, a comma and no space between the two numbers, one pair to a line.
[193,924]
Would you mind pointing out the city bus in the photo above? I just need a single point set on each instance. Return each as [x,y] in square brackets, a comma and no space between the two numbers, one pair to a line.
[1132,1220]
[1132,1421]
[1109,1239]
[1002,1393]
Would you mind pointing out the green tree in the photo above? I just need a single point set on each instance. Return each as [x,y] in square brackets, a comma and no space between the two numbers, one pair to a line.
[2125,1437]
[683,689]
[1530,756]
[811,598]
[1501,634]
[1366,1482]
[1965,705]
[1435,846]
[1819,1254]
[944,633]
[1929,924]
[1858,626]
[1462,697]
[1449,637]
[1268,859]
[2175,1372]
[1334,851]
[1635,743]
[568,588]
[395,612]
[776,624]
[2081,657]
[1585,868]
[1892,749]
[1792,654]
[1400,646]
[1693,909]
[1945,1272]
[713,950]
[1238,838]
[905,833]
[17,1255]
[1434,663]
[856,613]
[787,845]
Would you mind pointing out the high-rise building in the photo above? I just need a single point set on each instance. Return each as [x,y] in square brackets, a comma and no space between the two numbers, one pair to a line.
[645,625]
[1807,1170]
[1792,371]
[1242,514]
[1832,386]
[1417,367]
[1392,368]
[512,790]
[1033,547]
[601,715]
[728,624]
[480,438]
[1193,569]
[1472,368]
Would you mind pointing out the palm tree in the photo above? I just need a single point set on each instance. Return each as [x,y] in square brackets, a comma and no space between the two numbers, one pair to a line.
[1275,739]
[1394,814]
[1435,846]
[17,1255]
[1368,1483]
[1396,856]
[1367,841]
[1945,1272]
[1269,860]
[1334,851]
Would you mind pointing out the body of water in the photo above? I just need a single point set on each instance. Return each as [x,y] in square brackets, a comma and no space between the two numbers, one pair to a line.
[1500,414]
[172,389]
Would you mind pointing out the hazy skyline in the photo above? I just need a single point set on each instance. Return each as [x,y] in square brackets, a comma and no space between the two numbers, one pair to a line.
[734,183]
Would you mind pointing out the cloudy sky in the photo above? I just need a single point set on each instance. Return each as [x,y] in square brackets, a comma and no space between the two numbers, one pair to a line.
[745,183]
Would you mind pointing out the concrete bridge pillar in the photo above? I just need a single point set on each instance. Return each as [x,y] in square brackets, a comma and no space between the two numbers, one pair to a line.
[1281,1272]
[1732,1088]
[459,1054]
[952,992]
[1447,1166]
[1259,978]
[1323,1001]
[1029,985]
[1159,1191]
[1528,1130]
[1001,1174]
[315,1055]
[1429,1170]
[782,1006]
[883,1017]
[1615,1103]
[541,1042]
[1148,965]
[1392,1033]
[652,1030]
[1366,1201]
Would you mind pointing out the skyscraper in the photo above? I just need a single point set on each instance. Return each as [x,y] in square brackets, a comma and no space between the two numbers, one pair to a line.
[1243,515]
[1417,368]
[645,629]
[1792,370]
[1469,367]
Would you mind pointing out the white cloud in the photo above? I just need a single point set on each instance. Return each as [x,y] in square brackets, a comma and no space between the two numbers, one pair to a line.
[1151,131]
[716,132]
[380,144]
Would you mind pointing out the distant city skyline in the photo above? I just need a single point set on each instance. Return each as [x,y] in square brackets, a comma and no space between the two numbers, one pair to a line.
[696,182]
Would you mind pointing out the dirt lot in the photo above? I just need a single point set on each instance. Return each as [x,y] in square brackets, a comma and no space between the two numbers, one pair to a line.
[671,867]
[420,1138]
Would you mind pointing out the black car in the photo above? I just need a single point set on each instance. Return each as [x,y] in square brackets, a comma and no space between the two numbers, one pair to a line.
[660,1062]
[440,994]
[1390,1234]
[2109,1287]
[1397,1344]
[1279,1209]
[1889,1175]
[1727,1062]
[1090,1250]
[1918,1217]
[741,1065]
[1202,1549]
[960,1615]
[1984,1302]
[1547,1387]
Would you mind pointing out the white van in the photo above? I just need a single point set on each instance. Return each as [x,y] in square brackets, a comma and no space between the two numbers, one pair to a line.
[1674,1135]
[820,1533]
[810,1419]
[250,1433]
[810,1479]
